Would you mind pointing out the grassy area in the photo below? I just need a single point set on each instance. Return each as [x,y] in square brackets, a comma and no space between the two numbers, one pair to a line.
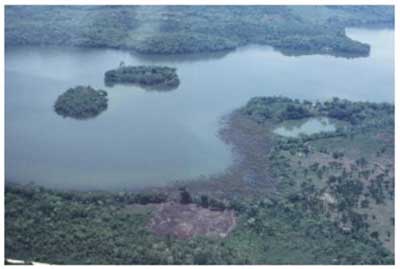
[351,168]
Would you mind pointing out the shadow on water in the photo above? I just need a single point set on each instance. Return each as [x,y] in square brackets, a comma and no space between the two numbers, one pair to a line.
[181,58]
[149,88]
[346,55]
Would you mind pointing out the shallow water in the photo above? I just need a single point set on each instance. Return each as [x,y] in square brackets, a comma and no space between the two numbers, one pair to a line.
[152,138]
[305,127]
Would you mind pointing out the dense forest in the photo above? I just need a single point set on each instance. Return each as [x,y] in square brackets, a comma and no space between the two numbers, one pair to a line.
[325,198]
[158,77]
[192,29]
[81,102]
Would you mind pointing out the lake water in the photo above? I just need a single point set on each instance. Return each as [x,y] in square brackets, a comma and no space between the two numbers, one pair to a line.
[153,138]
[295,128]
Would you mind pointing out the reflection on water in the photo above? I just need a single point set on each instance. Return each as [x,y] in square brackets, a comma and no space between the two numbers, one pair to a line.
[148,138]
[311,126]
[181,58]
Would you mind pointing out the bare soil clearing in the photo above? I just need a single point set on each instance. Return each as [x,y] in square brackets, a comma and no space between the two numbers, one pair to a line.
[186,221]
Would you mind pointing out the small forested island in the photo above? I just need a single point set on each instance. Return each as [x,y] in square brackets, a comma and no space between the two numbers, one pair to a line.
[152,77]
[81,102]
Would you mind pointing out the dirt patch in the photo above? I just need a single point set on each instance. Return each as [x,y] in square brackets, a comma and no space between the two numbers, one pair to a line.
[186,221]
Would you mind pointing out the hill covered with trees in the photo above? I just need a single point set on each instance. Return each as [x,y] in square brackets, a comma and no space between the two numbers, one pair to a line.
[193,29]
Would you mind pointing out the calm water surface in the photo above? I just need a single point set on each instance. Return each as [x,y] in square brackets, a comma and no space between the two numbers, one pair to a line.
[153,138]
[310,126]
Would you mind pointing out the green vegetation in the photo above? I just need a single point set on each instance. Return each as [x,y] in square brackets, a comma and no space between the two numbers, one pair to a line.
[317,199]
[325,198]
[81,102]
[158,77]
[185,196]
[358,114]
[193,29]
[349,169]
[110,228]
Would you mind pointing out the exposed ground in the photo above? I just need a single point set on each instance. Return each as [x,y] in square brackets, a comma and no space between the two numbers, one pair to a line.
[186,221]
[312,202]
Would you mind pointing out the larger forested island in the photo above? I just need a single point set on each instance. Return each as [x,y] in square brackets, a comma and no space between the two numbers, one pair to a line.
[192,29]
[157,77]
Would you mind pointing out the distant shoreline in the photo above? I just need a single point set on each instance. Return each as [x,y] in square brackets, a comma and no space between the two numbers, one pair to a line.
[178,30]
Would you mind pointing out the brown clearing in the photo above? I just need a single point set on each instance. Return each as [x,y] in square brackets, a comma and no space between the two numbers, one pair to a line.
[186,221]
